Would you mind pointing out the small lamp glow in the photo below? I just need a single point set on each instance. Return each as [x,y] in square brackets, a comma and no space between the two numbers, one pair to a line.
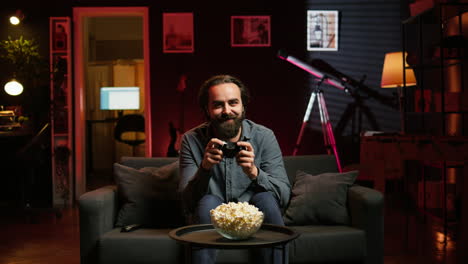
[14,20]
[392,74]
[13,88]
[392,77]
[17,17]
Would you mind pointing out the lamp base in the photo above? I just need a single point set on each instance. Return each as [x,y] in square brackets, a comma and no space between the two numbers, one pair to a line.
[401,97]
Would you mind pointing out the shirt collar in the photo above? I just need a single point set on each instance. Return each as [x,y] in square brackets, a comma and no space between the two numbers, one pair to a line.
[246,131]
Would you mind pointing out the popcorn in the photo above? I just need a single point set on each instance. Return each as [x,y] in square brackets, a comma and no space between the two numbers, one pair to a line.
[236,220]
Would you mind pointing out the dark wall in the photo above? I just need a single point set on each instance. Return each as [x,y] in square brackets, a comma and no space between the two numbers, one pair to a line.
[27,185]
[368,29]
[270,80]
[35,95]
[280,90]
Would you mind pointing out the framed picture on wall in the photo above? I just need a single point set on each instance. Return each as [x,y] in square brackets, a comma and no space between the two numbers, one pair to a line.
[59,36]
[178,33]
[322,30]
[250,31]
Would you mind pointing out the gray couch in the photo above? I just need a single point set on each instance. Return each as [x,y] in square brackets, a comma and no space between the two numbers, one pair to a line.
[360,242]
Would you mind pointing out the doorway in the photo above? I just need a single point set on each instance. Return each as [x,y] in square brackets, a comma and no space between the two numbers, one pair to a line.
[111,51]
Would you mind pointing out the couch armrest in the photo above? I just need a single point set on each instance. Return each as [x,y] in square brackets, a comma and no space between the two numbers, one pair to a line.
[98,210]
[366,208]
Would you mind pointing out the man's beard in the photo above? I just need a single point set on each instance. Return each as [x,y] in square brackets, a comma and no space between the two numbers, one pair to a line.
[226,130]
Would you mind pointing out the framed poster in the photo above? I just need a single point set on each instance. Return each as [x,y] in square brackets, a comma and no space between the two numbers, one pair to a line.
[322,30]
[250,31]
[178,33]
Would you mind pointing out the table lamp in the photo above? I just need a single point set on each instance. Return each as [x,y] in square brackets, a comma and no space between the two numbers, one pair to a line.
[396,74]
[120,98]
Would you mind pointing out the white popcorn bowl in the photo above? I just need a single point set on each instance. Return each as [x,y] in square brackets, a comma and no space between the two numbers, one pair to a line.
[236,227]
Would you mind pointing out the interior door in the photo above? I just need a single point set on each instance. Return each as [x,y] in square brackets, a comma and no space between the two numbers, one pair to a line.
[111,49]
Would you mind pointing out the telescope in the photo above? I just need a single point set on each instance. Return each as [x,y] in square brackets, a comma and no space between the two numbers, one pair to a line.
[327,78]
[328,74]
[317,95]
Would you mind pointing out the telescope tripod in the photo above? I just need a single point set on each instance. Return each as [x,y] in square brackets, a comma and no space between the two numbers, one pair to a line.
[327,130]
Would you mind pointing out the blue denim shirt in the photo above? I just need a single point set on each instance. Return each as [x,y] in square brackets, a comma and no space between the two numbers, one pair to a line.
[226,179]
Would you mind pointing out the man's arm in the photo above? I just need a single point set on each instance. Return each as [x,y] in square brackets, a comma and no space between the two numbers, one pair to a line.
[195,170]
[271,173]
[193,179]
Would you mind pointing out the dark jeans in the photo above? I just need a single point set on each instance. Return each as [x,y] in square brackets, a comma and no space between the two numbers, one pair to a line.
[265,202]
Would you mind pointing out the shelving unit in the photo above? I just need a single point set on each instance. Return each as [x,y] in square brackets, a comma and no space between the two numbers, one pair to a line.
[61,111]
[436,46]
[436,43]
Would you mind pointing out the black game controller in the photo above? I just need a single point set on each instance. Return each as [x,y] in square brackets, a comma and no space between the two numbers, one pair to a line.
[230,149]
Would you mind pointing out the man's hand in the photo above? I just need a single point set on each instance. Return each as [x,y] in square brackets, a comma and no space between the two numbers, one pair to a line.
[212,155]
[245,158]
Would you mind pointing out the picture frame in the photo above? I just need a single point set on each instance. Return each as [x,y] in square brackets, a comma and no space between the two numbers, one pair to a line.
[178,34]
[250,31]
[59,33]
[322,30]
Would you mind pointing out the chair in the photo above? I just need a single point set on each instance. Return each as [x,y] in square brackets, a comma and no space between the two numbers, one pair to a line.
[130,129]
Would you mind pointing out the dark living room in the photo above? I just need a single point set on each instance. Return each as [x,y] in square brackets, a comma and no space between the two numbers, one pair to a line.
[366,100]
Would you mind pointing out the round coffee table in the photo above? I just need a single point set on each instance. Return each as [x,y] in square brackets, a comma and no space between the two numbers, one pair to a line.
[205,236]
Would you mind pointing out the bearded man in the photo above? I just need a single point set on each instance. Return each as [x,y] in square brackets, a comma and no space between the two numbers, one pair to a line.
[211,175]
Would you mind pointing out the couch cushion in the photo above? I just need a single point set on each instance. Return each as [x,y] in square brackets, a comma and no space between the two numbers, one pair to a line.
[328,244]
[154,246]
[148,196]
[314,164]
[140,162]
[316,244]
[319,199]
[142,246]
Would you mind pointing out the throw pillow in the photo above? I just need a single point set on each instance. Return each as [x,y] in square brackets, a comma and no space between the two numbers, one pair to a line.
[319,199]
[148,196]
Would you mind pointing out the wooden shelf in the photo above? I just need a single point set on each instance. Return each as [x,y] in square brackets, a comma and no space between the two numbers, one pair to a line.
[61,114]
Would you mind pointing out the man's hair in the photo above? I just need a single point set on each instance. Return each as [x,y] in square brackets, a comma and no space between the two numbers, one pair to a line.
[203,95]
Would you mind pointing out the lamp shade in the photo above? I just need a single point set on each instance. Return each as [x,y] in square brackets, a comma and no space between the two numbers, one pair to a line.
[17,17]
[14,20]
[392,74]
[13,87]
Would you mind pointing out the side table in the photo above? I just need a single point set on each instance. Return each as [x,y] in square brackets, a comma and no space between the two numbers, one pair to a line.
[205,236]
